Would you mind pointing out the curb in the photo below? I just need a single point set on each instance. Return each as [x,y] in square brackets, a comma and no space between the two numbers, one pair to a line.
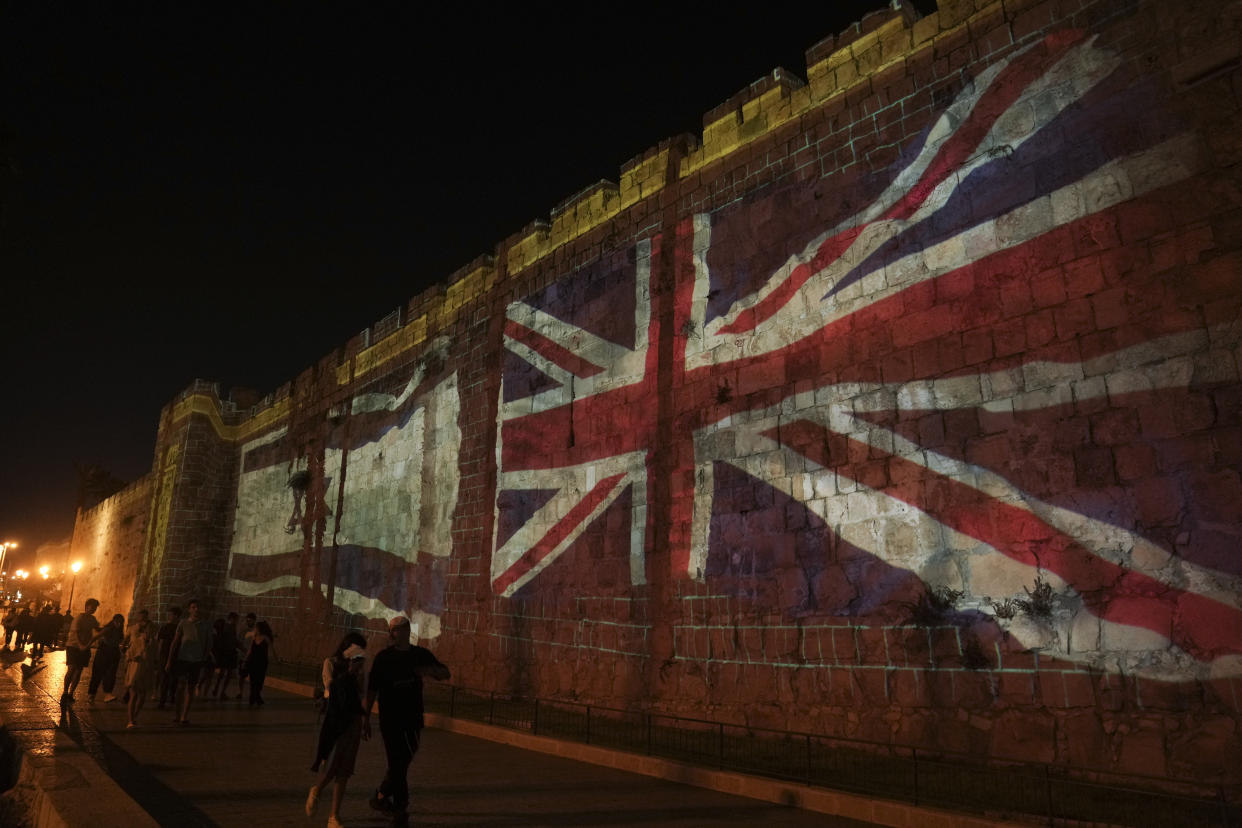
[820,800]
[60,783]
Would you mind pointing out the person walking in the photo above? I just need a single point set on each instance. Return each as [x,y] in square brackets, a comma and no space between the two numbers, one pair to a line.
[165,686]
[25,626]
[45,625]
[243,647]
[225,650]
[341,731]
[191,646]
[396,681]
[107,659]
[10,626]
[256,661]
[83,632]
[141,653]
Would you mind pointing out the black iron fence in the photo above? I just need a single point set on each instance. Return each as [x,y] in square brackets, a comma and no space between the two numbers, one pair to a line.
[923,777]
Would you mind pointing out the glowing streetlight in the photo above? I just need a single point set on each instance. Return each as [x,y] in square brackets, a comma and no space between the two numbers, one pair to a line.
[43,571]
[73,583]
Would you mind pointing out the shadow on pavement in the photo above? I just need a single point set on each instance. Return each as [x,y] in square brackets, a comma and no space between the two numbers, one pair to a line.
[152,795]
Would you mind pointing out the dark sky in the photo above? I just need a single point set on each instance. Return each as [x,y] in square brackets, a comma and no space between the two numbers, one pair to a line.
[232,193]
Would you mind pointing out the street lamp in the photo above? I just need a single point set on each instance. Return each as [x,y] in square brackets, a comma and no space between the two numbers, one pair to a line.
[73,583]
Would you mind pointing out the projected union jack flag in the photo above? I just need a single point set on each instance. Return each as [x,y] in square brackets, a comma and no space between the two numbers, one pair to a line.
[914,375]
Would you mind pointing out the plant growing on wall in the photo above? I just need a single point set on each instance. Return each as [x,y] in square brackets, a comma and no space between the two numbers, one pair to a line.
[1004,610]
[935,606]
[1039,602]
[95,484]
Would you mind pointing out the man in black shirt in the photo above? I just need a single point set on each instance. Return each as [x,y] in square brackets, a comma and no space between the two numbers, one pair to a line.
[397,681]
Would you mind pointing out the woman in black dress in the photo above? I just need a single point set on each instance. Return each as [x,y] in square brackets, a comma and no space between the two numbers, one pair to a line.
[255,663]
[224,654]
[341,732]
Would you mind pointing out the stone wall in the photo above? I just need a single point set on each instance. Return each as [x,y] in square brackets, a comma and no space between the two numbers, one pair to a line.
[902,404]
[108,540]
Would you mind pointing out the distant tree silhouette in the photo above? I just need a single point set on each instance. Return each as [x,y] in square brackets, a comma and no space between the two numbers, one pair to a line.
[95,484]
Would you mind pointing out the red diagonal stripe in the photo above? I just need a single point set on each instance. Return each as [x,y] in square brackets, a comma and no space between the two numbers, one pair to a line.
[827,253]
[1201,626]
[551,351]
[1001,95]
[561,530]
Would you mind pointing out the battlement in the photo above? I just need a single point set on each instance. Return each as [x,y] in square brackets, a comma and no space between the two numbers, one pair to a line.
[847,64]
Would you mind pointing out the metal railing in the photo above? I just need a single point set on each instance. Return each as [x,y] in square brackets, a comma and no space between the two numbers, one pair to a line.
[922,777]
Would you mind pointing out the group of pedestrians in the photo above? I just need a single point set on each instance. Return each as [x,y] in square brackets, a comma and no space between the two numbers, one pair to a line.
[189,657]
[175,662]
[41,628]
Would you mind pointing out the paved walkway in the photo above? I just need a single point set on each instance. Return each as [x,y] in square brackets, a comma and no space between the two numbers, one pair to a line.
[237,766]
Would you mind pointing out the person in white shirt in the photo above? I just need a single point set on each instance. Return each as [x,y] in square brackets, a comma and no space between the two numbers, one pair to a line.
[83,632]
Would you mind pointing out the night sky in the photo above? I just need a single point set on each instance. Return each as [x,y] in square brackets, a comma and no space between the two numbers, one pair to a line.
[232,193]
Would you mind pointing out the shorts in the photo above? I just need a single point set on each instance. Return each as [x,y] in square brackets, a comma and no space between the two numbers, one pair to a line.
[77,657]
[188,670]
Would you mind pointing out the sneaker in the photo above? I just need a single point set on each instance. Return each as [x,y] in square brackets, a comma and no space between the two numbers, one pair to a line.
[312,801]
[333,822]
[131,725]
[382,803]
[109,698]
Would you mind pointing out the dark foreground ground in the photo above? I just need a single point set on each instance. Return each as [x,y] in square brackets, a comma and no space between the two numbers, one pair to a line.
[238,766]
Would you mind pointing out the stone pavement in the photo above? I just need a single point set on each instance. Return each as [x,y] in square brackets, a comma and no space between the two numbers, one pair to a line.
[237,766]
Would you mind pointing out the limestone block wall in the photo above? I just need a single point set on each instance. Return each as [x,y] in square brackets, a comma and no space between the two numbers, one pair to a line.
[108,540]
[902,404]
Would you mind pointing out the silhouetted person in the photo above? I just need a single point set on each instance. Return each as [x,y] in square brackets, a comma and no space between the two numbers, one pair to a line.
[225,650]
[257,659]
[397,682]
[107,659]
[46,625]
[243,647]
[10,626]
[25,626]
[166,687]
